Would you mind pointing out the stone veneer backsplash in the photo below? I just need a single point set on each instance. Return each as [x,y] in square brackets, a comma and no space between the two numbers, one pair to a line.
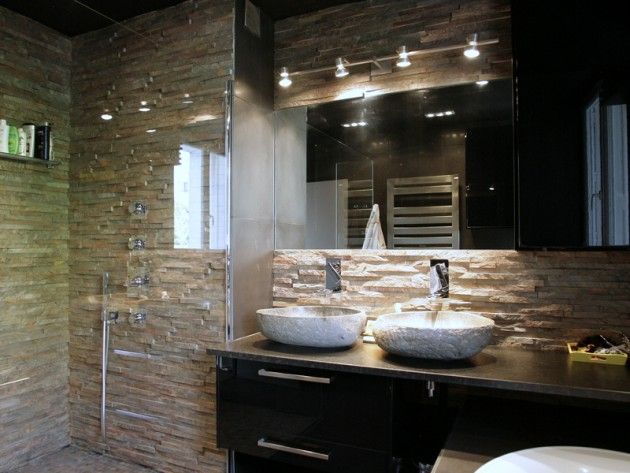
[538,300]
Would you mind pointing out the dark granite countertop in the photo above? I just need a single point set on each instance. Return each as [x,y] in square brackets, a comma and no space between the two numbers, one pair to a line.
[498,368]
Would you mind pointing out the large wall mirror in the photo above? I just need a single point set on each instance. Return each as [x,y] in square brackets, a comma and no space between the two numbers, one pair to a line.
[438,163]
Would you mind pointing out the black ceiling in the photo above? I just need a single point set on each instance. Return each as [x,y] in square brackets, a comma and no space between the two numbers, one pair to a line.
[71,18]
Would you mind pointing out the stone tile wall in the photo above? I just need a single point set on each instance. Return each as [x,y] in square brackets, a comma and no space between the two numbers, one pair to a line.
[34,87]
[376,28]
[538,300]
[179,67]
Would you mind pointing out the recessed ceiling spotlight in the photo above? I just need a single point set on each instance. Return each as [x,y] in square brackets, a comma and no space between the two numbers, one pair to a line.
[285,80]
[151,130]
[481,83]
[341,69]
[403,57]
[362,123]
[446,113]
[354,124]
[107,116]
[472,52]
[346,125]
[143,107]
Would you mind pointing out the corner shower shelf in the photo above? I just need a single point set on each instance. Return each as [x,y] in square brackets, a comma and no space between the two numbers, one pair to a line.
[26,159]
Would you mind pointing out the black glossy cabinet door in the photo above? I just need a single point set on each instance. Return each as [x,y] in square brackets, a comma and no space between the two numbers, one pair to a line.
[317,420]
[565,53]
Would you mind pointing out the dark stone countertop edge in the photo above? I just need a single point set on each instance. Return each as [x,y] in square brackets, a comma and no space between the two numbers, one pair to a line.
[233,350]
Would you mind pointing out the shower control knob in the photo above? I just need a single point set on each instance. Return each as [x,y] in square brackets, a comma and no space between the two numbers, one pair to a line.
[138,209]
[138,318]
[137,243]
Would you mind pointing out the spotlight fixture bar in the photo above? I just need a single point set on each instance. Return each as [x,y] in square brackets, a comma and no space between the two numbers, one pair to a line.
[419,52]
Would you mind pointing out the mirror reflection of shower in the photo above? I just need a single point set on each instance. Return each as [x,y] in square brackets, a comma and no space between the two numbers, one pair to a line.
[200,199]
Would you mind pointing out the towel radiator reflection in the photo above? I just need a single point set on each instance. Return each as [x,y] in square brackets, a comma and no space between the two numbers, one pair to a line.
[423,212]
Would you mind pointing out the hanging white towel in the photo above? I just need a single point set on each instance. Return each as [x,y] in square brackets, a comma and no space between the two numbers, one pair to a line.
[374,238]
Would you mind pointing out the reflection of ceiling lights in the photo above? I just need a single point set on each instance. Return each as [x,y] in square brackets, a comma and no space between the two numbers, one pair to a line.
[107,116]
[472,52]
[151,130]
[285,80]
[403,57]
[341,69]
[354,124]
[481,83]
[446,113]
[143,107]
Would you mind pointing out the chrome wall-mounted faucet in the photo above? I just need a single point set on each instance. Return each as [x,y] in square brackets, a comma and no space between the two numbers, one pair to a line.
[438,278]
[333,274]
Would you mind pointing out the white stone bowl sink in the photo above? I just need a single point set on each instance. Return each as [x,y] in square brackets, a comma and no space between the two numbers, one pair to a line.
[559,460]
[312,326]
[433,335]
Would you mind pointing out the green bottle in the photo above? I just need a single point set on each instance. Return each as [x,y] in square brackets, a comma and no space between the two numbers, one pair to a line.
[14,139]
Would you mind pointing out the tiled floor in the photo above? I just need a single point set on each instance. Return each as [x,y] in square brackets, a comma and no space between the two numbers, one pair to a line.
[76,460]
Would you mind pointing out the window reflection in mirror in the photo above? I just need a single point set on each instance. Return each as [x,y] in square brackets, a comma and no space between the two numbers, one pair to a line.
[438,162]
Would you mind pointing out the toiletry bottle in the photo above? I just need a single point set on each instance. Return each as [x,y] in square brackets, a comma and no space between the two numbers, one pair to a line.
[4,136]
[29,129]
[42,141]
[13,140]
[21,142]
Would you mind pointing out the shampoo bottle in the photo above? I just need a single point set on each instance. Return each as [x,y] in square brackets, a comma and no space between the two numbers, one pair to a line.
[21,142]
[13,140]
[4,136]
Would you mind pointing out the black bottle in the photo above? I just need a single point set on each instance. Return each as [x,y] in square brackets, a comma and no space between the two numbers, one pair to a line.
[42,141]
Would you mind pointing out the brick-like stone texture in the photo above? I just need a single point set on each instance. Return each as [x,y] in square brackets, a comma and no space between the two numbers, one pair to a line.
[377,28]
[538,300]
[34,87]
[76,460]
[180,67]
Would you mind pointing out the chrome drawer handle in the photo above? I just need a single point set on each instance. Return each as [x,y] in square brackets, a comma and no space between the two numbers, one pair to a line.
[294,377]
[296,451]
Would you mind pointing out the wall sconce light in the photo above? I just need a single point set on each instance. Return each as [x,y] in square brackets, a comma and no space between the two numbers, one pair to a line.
[144,107]
[285,80]
[107,116]
[472,52]
[403,57]
[341,69]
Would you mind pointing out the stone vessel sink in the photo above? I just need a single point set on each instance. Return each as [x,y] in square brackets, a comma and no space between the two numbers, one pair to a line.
[559,460]
[312,326]
[441,335]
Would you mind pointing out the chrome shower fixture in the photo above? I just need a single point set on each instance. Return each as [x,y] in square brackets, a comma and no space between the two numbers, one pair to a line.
[138,319]
[139,281]
[138,209]
[137,242]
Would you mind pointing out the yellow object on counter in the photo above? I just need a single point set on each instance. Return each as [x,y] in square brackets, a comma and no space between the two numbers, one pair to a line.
[601,358]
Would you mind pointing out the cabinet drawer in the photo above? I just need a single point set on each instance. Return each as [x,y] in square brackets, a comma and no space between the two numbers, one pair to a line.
[286,402]
[320,456]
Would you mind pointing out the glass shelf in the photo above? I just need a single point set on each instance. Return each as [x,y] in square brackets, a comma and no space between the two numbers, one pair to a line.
[26,159]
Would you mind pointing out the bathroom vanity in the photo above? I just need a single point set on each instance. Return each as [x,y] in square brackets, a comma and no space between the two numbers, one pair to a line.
[359,409]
